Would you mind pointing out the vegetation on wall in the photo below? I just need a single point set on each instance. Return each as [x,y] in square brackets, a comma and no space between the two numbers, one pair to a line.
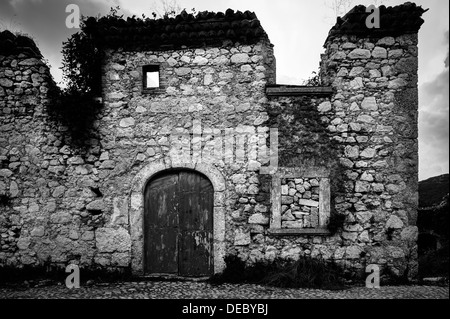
[83,52]
[82,64]
[306,272]
[313,80]
[48,273]
[75,107]
[82,57]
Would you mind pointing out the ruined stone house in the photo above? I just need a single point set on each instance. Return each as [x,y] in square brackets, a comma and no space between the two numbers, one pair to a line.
[199,153]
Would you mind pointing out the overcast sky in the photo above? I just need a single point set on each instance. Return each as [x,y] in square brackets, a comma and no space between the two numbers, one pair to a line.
[297,28]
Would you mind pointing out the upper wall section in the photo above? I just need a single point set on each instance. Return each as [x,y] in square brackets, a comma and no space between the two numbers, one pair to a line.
[11,44]
[394,21]
[25,80]
[183,31]
[398,30]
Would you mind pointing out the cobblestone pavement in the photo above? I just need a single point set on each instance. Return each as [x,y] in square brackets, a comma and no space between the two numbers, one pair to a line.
[203,290]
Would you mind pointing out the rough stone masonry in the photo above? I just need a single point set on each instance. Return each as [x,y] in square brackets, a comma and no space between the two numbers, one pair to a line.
[346,148]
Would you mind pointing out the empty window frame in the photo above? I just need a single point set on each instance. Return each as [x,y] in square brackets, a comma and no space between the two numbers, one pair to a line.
[323,204]
[151,76]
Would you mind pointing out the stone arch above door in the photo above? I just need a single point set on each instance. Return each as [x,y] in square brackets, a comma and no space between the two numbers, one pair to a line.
[136,215]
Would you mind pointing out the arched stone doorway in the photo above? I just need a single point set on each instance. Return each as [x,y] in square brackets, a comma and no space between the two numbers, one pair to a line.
[178,224]
[137,210]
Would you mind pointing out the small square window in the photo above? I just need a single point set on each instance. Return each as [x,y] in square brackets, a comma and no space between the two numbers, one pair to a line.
[152,80]
[151,76]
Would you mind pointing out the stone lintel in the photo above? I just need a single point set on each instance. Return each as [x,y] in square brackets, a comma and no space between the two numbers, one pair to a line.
[302,172]
[285,90]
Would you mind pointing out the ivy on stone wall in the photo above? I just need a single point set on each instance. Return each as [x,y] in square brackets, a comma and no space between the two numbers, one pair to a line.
[82,64]
[82,58]
[83,55]
[76,106]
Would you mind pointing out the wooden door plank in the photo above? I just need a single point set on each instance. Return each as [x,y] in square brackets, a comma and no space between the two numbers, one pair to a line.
[195,215]
[161,225]
[195,253]
[162,253]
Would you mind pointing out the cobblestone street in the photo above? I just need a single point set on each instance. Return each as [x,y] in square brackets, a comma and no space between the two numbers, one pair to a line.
[202,290]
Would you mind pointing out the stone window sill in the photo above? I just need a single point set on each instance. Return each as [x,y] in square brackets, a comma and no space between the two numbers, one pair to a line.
[299,231]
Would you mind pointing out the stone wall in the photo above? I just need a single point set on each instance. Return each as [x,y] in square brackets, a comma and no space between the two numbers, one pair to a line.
[27,183]
[373,116]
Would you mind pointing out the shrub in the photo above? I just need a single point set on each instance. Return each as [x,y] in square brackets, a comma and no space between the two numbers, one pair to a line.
[389,277]
[307,273]
[434,263]
[303,273]
[52,273]
[235,271]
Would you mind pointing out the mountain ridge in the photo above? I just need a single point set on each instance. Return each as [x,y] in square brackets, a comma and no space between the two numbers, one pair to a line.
[433,190]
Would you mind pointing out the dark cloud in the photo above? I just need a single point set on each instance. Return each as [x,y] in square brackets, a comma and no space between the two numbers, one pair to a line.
[44,21]
[434,123]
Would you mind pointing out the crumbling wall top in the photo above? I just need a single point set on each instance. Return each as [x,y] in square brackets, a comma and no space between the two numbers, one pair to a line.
[394,21]
[184,30]
[16,44]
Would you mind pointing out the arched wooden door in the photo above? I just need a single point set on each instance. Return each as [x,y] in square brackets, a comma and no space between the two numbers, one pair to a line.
[178,224]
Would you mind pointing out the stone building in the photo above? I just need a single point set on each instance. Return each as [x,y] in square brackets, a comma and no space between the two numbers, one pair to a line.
[199,154]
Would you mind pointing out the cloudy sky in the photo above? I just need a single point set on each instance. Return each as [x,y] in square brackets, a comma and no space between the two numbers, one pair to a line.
[297,28]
